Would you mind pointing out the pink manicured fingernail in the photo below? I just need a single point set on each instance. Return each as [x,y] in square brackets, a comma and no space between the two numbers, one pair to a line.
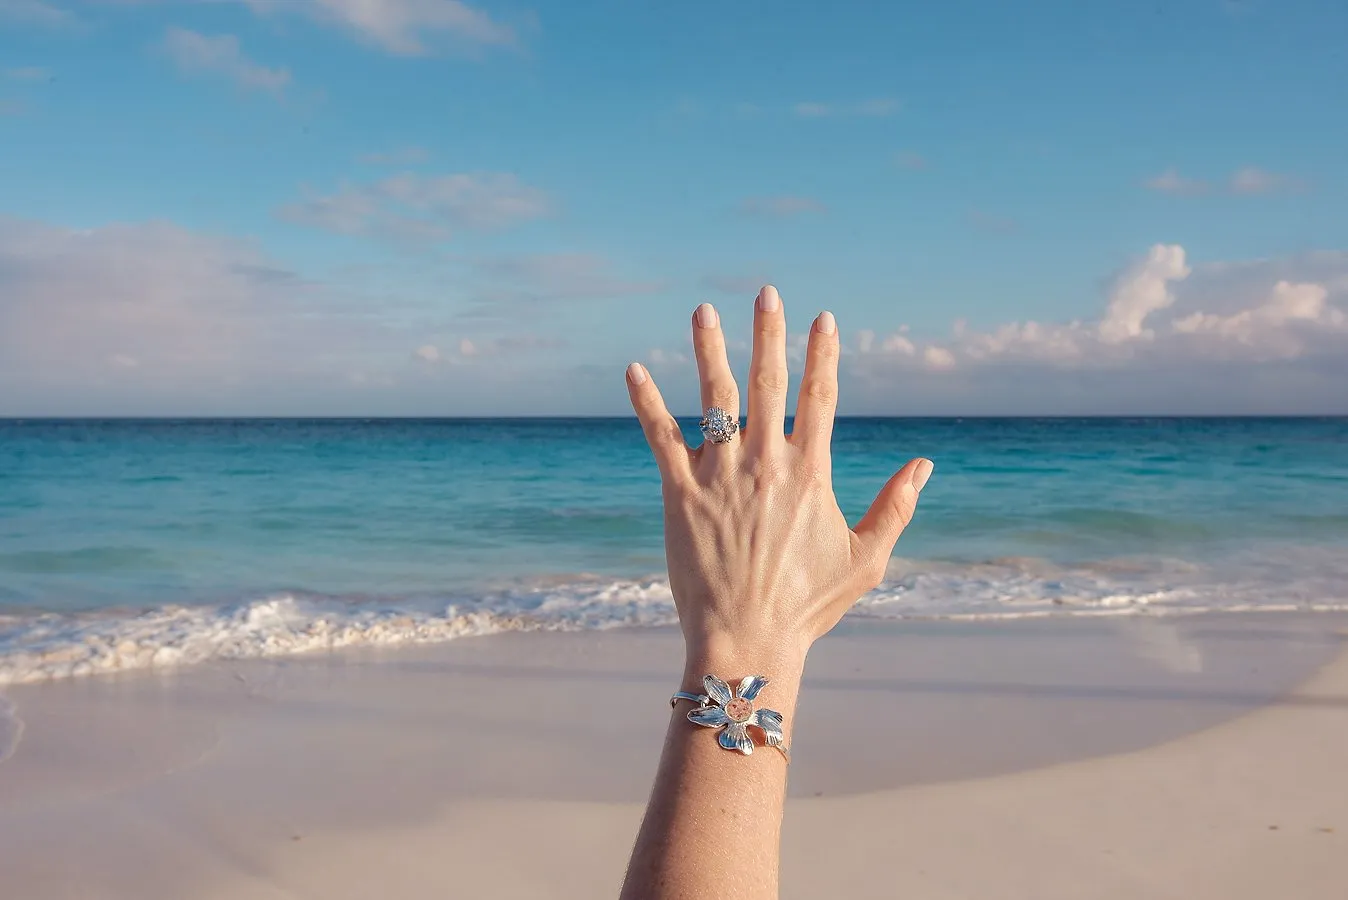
[922,473]
[636,373]
[825,323]
[705,316]
[768,299]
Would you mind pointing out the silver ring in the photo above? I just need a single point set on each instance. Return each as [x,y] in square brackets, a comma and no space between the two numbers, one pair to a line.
[717,425]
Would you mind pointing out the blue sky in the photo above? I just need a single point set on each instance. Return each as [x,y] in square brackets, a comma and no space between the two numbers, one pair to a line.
[431,207]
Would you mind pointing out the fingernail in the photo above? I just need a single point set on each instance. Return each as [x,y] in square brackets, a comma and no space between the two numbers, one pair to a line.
[825,324]
[768,299]
[922,473]
[705,316]
[636,373]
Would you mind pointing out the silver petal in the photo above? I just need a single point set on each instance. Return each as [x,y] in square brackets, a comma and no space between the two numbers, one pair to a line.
[750,686]
[771,722]
[736,737]
[711,717]
[717,690]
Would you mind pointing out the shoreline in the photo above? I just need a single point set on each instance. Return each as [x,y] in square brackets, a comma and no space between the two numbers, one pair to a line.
[313,775]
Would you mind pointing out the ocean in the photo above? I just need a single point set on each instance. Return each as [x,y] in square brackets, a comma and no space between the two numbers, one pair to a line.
[131,544]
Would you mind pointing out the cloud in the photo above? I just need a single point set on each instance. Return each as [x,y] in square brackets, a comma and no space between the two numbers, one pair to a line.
[1252,180]
[1172,182]
[28,73]
[1154,318]
[415,207]
[783,207]
[1141,291]
[405,27]
[911,161]
[879,107]
[196,53]
[152,318]
[10,107]
[154,298]
[509,287]
[402,156]
[1248,180]
[36,12]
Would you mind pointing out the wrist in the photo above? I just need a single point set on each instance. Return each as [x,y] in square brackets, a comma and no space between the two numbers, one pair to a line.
[782,664]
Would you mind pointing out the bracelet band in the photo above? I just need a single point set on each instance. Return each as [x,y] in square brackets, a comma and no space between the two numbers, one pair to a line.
[734,714]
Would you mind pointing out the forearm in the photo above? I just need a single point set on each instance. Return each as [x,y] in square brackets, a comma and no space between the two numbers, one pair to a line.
[713,825]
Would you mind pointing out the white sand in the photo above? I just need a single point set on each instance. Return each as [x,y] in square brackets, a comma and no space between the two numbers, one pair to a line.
[515,767]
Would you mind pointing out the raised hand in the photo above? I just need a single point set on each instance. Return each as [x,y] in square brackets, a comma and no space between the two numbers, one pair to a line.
[761,559]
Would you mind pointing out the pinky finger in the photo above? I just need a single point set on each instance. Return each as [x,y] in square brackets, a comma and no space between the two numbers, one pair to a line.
[662,432]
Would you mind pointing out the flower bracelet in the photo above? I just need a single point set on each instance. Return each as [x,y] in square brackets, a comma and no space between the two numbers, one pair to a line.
[734,714]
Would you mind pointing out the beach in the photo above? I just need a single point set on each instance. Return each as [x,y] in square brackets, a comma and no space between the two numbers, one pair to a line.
[431,658]
[1198,756]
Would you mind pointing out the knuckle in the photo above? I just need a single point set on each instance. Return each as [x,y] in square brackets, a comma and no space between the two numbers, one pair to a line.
[876,569]
[770,381]
[767,474]
[724,396]
[821,391]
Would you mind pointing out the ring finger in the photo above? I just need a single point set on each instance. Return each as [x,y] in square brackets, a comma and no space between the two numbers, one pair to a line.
[718,384]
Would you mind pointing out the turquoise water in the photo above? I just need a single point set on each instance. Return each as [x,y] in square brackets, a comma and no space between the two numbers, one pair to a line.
[129,543]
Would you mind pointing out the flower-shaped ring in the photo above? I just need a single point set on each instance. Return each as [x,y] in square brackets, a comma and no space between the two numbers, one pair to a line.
[734,713]
[718,427]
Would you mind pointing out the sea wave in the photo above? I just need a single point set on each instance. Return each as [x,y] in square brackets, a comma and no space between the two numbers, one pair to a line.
[39,646]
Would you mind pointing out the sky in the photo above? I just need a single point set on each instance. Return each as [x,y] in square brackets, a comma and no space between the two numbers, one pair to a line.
[434,207]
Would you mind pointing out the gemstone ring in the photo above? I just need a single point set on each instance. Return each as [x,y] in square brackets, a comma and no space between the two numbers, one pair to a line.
[717,425]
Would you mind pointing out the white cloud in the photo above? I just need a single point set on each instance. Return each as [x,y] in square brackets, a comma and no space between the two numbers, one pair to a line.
[1141,291]
[878,107]
[783,207]
[410,206]
[1280,327]
[511,287]
[1285,320]
[155,298]
[1253,180]
[194,52]
[938,358]
[1248,180]
[10,107]
[1172,182]
[151,318]
[35,12]
[405,27]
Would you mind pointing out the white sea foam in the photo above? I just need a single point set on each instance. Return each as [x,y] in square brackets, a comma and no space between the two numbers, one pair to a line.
[52,645]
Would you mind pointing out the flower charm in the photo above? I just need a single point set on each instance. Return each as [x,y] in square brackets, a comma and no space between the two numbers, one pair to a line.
[734,713]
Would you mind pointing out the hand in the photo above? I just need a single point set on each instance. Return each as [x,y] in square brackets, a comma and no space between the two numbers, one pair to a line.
[761,560]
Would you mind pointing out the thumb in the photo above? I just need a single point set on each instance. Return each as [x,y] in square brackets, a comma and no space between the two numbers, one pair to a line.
[893,508]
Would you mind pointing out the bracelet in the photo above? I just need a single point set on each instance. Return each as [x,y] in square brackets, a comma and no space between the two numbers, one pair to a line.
[734,714]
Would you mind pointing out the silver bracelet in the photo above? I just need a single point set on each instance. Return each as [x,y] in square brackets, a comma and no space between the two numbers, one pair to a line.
[734,714]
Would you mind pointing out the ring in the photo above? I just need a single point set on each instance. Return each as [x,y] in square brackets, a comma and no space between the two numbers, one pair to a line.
[717,426]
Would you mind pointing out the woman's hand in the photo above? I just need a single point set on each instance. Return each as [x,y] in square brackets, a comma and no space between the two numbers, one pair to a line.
[761,560]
